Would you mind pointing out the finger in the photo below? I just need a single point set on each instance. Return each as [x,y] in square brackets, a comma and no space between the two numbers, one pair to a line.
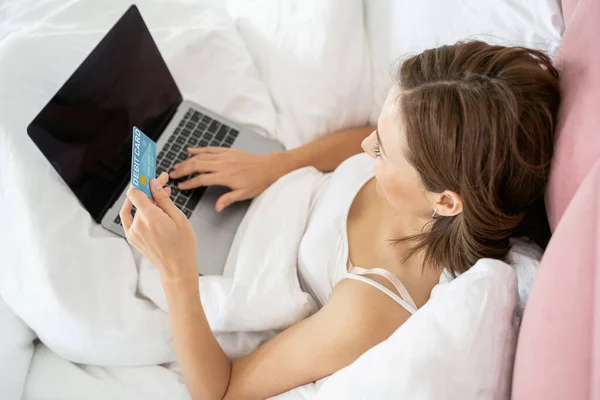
[229,198]
[190,166]
[125,214]
[208,150]
[139,200]
[162,199]
[202,180]
[163,179]
[168,190]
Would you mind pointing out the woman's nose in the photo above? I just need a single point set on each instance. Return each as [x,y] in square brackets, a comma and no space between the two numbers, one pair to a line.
[366,146]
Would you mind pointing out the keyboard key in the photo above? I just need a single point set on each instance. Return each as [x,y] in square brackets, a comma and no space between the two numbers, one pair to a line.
[187,114]
[190,125]
[165,164]
[174,191]
[181,157]
[192,141]
[222,132]
[186,133]
[181,123]
[176,147]
[187,212]
[206,119]
[180,140]
[171,139]
[234,133]
[213,127]
[118,220]
[203,143]
[229,141]
[170,156]
[186,193]
[180,201]
[195,197]
[196,116]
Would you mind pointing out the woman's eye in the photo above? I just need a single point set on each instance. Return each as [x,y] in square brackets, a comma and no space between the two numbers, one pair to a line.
[376,150]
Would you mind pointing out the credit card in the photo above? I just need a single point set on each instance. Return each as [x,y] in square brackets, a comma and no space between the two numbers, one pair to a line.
[143,161]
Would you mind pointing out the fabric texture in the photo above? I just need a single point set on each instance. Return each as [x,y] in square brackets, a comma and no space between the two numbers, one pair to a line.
[558,355]
[577,145]
[314,58]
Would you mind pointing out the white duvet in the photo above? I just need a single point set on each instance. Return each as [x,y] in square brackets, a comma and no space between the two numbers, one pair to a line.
[289,70]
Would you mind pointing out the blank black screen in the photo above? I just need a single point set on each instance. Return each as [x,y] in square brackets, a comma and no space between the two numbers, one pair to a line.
[85,130]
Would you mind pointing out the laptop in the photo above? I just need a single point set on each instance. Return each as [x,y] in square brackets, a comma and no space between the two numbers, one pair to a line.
[85,132]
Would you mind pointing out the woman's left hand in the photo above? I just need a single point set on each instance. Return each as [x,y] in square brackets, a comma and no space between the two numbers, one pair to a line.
[161,232]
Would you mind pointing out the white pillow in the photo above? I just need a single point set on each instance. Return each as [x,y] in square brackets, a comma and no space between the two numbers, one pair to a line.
[460,345]
[400,28]
[313,57]
[525,257]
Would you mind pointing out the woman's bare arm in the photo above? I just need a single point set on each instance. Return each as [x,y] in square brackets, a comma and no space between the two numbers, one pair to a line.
[327,152]
[356,318]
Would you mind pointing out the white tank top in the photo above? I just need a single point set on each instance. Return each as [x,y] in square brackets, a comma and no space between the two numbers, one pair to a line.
[323,252]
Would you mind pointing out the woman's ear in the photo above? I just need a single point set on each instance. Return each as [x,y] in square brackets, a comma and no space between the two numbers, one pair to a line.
[448,204]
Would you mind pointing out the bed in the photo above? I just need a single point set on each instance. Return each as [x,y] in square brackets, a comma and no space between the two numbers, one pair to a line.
[83,315]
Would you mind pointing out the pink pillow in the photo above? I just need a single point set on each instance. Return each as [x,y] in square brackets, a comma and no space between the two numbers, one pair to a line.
[558,353]
[578,143]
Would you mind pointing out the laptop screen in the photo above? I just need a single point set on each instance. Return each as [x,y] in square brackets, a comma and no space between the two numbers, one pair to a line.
[85,130]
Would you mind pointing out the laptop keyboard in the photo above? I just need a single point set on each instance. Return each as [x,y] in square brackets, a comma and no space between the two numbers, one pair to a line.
[194,130]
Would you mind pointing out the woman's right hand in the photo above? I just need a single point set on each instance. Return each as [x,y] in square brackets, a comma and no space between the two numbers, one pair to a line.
[246,174]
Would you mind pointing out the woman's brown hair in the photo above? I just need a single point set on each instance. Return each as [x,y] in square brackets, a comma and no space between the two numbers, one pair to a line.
[479,121]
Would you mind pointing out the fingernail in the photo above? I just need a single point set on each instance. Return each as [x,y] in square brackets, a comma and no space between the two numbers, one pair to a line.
[175,166]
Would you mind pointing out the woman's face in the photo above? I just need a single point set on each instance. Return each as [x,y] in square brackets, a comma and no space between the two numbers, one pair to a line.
[397,181]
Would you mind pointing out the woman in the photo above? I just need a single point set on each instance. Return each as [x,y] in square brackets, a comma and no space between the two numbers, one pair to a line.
[461,158]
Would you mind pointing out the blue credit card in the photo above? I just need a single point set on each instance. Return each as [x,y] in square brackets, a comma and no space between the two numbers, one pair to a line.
[143,161]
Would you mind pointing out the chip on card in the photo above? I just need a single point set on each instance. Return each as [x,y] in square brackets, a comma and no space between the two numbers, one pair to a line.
[143,161]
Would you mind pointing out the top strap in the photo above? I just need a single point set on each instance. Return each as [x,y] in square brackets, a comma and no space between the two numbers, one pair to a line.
[385,290]
[390,277]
